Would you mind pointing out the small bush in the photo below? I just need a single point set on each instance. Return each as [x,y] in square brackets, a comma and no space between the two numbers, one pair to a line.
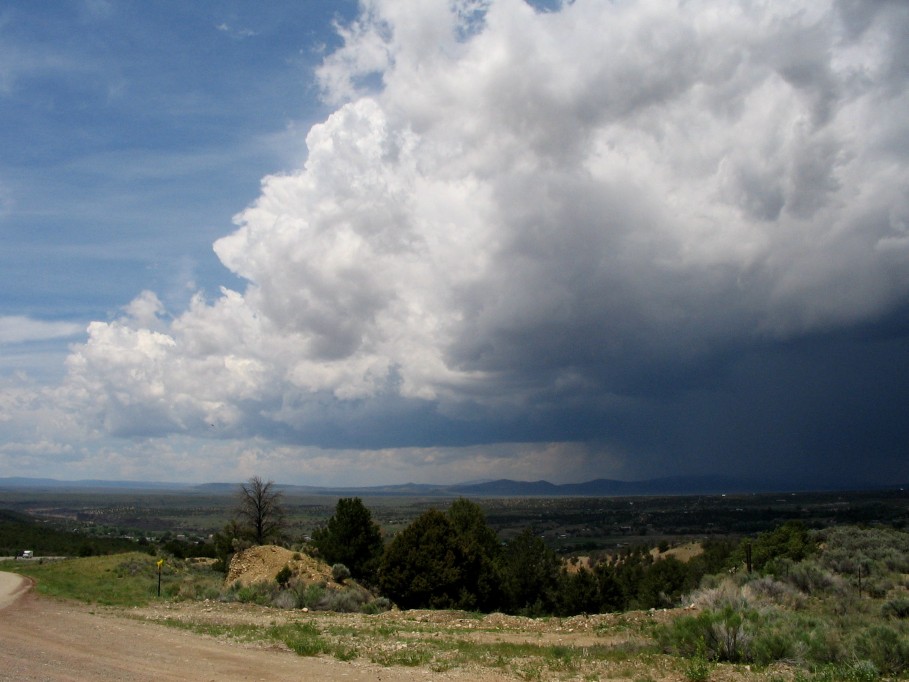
[810,578]
[722,635]
[768,590]
[771,645]
[310,595]
[343,601]
[260,593]
[719,596]
[196,590]
[285,599]
[378,605]
[822,644]
[896,608]
[283,576]
[698,669]
[340,573]
[886,648]
[863,671]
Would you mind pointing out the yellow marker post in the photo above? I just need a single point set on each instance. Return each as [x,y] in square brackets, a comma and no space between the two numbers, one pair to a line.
[160,563]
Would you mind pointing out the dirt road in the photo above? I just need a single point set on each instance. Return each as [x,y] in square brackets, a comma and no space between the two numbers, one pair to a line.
[44,639]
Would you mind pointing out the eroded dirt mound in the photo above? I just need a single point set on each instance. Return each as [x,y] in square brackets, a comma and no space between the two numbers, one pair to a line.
[263,563]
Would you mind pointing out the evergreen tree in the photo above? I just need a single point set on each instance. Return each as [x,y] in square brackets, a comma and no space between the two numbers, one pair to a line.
[479,547]
[662,583]
[351,538]
[529,573]
[578,593]
[609,589]
[421,566]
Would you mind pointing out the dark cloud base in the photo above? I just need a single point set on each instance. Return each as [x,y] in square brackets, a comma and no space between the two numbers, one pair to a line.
[822,410]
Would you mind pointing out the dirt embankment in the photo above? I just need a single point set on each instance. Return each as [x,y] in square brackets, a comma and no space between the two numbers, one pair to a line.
[263,563]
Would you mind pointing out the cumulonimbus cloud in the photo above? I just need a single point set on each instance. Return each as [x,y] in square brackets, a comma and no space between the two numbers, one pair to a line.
[512,208]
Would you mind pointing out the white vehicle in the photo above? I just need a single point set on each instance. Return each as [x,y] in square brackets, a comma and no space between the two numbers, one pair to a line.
[27,554]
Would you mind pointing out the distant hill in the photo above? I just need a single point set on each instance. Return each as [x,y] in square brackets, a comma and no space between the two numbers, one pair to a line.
[601,487]
[604,487]
[52,483]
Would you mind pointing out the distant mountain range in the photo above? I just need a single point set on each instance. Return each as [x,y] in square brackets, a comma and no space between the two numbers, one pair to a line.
[601,487]
[16,482]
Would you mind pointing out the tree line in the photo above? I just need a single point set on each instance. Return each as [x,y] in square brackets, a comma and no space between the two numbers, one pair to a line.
[454,559]
[19,532]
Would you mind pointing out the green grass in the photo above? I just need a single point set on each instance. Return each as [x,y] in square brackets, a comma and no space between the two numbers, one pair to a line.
[129,579]
[239,632]
[114,580]
[304,639]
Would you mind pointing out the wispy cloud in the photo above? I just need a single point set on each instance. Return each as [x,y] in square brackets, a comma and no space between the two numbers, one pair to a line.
[20,329]
[233,32]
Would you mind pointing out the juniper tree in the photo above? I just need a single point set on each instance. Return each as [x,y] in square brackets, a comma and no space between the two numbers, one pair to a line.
[351,538]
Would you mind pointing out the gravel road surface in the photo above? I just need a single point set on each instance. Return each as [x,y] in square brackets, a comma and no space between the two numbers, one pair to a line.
[45,639]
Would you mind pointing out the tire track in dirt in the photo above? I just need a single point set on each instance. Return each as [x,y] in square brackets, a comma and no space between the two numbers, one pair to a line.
[45,639]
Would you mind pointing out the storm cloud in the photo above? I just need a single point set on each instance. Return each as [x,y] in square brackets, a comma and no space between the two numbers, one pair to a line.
[675,233]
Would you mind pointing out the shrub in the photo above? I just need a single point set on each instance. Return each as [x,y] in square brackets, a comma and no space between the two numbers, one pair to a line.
[723,635]
[698,669]
[726,593]
[285,599]
[810,578]
[283,576]
[851,547]
[885,647]
[344,601]
[340,573]
[309,596]
[896,608]
[788,541]
[863,671]
[771,645]
[821,644]
[261,593]
[768,590]
[661,583]
[194,589]
[377,605]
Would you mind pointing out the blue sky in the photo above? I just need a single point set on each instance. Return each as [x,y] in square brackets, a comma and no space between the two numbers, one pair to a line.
[331,242]
[131,134]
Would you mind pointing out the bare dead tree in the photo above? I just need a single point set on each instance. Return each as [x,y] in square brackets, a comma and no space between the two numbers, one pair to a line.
[261,510]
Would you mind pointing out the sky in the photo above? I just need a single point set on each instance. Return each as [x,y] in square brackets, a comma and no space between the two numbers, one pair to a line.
[342,243]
